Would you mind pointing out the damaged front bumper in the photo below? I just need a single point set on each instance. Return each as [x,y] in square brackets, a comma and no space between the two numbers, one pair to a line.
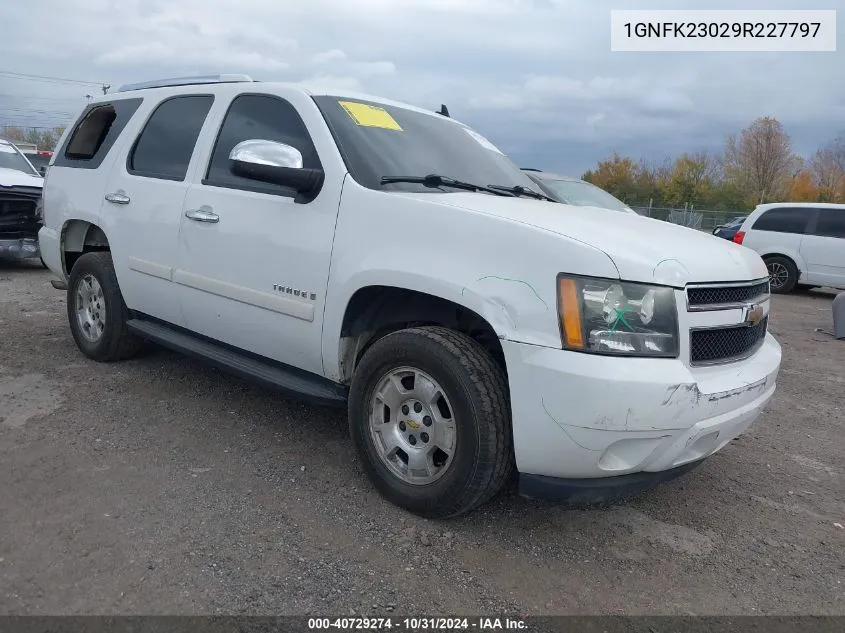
[19,248]
[620,421]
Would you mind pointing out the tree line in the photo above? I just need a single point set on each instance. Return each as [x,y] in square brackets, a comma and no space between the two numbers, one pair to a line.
[44,138]
[756,166]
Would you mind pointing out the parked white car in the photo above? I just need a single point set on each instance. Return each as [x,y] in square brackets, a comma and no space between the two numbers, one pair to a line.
[20,204]
[384,258]
[802,243]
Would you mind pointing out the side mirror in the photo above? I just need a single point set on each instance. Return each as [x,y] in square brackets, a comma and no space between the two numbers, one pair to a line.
[43,170]
[276,163]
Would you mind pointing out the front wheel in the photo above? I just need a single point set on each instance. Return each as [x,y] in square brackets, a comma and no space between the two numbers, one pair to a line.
[96,311]
[429,416]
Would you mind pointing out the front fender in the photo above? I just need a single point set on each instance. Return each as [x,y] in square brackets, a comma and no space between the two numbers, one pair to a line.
[502,270]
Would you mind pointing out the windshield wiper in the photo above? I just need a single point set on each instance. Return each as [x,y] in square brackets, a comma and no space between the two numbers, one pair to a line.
[519,190]
[434,181]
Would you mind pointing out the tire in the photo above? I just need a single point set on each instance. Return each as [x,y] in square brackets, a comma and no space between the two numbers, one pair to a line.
[475,395]
[784,271]
[111,340]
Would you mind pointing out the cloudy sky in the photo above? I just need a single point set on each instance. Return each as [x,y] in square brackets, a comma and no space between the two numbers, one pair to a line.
[535,76]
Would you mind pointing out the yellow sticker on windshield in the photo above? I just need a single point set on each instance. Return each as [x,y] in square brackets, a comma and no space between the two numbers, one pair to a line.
[370,116]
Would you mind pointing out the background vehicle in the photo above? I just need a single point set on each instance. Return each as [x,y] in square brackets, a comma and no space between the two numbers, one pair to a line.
[803,244]
[20,204]
[351,249]
[575,191]
[729,228]
[40,160]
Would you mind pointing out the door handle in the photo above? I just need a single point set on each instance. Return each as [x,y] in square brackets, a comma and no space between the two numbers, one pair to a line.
[117,197]
[203,214]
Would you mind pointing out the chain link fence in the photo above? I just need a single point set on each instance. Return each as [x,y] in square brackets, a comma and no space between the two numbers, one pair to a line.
[700,219]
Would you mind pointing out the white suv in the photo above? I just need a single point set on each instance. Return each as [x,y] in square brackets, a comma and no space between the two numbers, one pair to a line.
[370,254]
[802,243]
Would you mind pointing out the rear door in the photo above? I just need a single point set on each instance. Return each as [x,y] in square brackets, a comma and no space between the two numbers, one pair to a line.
[823,248]
[143,200]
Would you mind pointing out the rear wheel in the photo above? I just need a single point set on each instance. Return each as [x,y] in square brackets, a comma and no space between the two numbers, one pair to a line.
[783,274]
[430,419]
[96,311]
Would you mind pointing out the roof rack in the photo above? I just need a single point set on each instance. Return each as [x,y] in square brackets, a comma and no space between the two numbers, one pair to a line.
[186,81]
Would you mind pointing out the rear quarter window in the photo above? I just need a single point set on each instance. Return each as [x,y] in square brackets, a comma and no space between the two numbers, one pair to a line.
[831,223]
[95,132]
[784,220]
[166,144]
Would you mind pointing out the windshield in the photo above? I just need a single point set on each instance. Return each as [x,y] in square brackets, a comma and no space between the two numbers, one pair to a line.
[10,158]
[378,140]
[583,194]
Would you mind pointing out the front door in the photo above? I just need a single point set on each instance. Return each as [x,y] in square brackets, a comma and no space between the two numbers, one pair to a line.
[143,204]
[254,264]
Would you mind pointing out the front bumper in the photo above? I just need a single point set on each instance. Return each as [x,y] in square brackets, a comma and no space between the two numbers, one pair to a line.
[597,489]
[49,242]
[19,248]
[581,416]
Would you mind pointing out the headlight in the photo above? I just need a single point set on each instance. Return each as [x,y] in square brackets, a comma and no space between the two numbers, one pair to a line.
[607,316]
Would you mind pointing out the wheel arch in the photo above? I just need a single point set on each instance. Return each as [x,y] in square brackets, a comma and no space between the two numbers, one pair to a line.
[376,310]
[790,254]
[79,237]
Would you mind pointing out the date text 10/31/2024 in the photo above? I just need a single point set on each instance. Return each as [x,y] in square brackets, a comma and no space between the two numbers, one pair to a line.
[417,624]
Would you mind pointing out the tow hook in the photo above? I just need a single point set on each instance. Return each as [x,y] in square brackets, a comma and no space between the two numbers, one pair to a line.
[58,284]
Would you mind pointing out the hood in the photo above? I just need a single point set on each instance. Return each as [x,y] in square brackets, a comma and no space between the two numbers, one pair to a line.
[643,249]
[15,178]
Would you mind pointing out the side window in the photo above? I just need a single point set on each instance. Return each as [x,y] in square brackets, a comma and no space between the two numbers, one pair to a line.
[165,145]
[258,117]
[784,220]
[95,133]
[831,223]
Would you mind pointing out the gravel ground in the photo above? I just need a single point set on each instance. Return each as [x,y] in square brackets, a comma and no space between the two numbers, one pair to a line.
[160,486]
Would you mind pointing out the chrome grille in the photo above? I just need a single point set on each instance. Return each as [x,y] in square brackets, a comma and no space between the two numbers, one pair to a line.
[715,295]
[731,341]
[726,344]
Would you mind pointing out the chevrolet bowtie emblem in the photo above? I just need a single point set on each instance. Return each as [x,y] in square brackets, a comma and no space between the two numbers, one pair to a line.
[753,314]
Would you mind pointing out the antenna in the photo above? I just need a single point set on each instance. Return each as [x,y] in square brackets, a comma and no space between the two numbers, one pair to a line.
[443,110]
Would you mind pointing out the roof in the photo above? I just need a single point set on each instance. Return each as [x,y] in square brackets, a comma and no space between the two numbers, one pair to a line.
[236,82]
[814,205]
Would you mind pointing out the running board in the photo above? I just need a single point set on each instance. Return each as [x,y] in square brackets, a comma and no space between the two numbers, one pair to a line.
[290,380]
